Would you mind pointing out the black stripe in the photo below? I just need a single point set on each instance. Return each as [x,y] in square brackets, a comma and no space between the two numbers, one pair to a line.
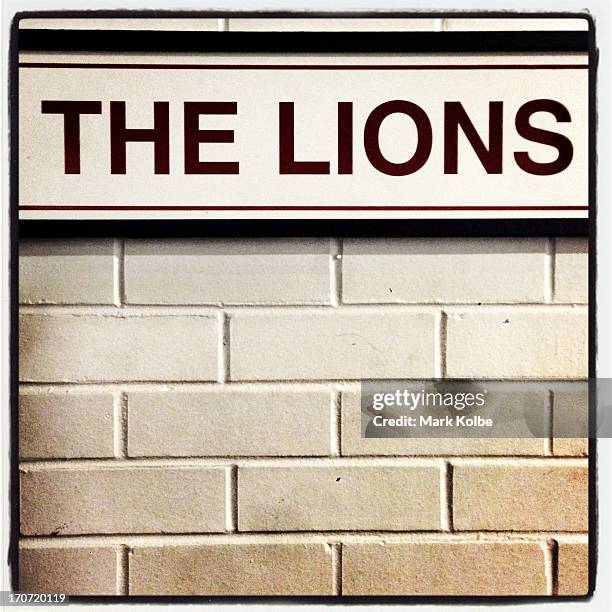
[200,228]
[301,42]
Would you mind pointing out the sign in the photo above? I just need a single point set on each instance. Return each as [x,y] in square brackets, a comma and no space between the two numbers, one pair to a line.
[308,136]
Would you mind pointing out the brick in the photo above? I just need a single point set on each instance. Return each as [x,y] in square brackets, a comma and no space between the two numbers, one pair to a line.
[441,270]
[517,343]
[65,425]
[443,568]
[338,497]
[520,497]
[570,410]
[518,442]
[510,24]
[258,271]
[234,423]
[114,23]
[572,270]
[123,500]
[100,348]
[232,569]
[70,570]
[332,345]
[292,24]
[66,271]
[573,578]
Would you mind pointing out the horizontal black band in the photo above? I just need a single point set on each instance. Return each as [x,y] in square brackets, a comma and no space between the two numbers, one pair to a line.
[196,228]
[301,42]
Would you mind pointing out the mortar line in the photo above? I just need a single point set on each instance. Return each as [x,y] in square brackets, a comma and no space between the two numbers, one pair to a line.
[231,502]
[133,539]
[120,417]
[223,24]
[336,552]
[223,356]
[209,309]
[335,289]
[441,333]
[336,423]
[551,560]
[446,496]
[549,441]
[123,570]
[553,268]
[119,272]
[271,384]
[123,424]
[290,461]
[549,271]
[34,388]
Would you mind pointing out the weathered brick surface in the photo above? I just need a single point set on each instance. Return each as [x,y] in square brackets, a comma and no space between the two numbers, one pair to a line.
[217,423]
[65,425]
[329,25]
[571,414]
[461,568]
[338,498]
[517,497]
[114,23]
[332,345]
[232,569]
[279,271]
[123,500]
[71,570]
[571,270]
[66,272]
[525,24]
[573,570]
[518,343]
[85,347]
[442,270]
[518,438]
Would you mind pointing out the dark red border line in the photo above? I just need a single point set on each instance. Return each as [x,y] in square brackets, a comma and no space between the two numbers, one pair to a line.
[290,208]
[86,65]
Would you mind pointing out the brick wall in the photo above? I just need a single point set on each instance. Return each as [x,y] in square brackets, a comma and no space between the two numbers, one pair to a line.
[189,410]
[189,417]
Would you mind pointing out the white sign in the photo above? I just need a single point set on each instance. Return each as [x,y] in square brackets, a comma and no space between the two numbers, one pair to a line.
[302,137]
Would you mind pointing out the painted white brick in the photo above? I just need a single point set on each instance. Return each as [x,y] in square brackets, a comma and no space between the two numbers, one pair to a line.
[513,24]
[518,343]
[518,438]
[332,345]
[571,270]
[87,347]
[425,270]
[71,570]
[123,500]
[227,271]
[573,568]
[338,497]
[327,24]
[571,415]
[216,423]
[184,23]
[232,569]
[66,271]
[65,425]
[520,497]
[443,568]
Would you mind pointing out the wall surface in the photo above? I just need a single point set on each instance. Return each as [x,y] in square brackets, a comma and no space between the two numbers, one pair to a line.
[189,416]
[190,420]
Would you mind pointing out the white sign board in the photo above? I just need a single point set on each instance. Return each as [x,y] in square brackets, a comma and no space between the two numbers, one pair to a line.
[279,136]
